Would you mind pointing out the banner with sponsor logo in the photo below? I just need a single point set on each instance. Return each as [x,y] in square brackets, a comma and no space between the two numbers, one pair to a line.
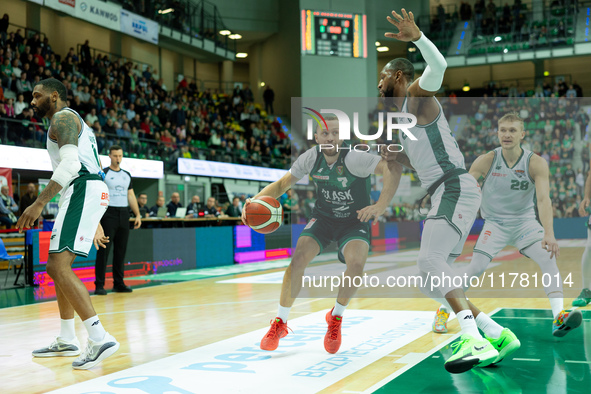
[67,6]
[139,27]
[38,159]
[102,14]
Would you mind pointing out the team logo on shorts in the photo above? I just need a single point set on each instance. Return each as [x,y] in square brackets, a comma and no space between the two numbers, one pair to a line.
[310,224]
[459,215]
[340,170]
[487,234]
[81,238]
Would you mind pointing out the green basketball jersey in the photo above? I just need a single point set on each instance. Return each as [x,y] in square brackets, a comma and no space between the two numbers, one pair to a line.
[342,188]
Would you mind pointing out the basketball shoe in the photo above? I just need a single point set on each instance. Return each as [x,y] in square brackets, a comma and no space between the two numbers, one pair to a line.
[96,352]
[440,321]
[583,299]
[469,353]
[332,339]
[566,321]
[277,331]
[506,344]
[59,348]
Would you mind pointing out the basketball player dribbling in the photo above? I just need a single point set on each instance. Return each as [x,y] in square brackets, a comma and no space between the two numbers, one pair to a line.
[341,214]
[514,180]
[78,177]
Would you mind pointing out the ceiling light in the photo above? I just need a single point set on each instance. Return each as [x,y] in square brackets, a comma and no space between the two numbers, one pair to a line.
[378,43]
[383,49]
[412,49]
[466,87]
[241,55]
[225,32]
[235,36]
[546,73]
[166,11]
[506,50]
[262,84]
[498,38]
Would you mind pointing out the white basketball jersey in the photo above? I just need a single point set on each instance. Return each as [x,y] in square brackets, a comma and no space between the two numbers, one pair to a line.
[508,194]
[87,151]
[435,152]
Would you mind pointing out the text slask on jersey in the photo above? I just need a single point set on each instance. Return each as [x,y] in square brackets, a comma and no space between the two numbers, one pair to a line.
[410,121]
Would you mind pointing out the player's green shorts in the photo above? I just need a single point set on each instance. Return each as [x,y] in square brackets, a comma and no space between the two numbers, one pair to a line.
[324,231]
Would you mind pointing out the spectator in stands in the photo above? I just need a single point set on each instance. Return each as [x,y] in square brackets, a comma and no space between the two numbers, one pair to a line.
[142,200]
[175,202]
[6,73]
[159,204]
[8,208]
[571,92]
[194,207]
[234,210]
[210,210]
[28,198]
[20,105]
[268,98]
[4,22]
[308,204]
[91,117]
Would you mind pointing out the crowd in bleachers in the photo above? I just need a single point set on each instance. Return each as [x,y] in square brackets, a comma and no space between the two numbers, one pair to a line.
[129,105]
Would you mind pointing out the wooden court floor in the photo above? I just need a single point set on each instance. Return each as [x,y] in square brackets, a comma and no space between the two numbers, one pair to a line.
[155,322]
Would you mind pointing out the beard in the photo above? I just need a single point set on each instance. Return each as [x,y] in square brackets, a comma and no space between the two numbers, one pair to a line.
[43,108]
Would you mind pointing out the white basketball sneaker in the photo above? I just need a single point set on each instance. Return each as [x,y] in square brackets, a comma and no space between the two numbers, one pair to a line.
[96,352]
[59,348]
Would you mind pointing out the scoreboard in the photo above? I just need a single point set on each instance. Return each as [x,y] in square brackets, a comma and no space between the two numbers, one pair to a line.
[333,34]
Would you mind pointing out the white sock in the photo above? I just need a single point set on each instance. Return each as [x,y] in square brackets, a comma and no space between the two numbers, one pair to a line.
[491,328]
[95,329]
[557,305]
[468,323]
[68,329]
[338,309]
[283,312]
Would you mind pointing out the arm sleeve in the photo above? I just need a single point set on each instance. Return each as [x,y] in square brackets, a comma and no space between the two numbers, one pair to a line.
[362,164]
[433,75]
[304,164]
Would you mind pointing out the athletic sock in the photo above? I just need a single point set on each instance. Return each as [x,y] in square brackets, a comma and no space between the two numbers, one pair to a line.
[491,328]
[468,323]
[338,309]
[557,304]
[95,329]
[283,312]
[68,329]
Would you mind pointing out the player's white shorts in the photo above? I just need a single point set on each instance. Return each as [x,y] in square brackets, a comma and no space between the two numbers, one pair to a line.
[494,237]
[457,200]
[83,205]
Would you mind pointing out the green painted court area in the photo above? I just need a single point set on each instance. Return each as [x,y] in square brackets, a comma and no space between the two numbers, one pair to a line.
[543,364]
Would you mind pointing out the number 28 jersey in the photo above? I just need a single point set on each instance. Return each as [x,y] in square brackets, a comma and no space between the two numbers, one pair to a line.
[509,194]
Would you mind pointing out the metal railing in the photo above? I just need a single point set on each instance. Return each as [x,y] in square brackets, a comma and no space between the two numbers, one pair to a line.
[28,32]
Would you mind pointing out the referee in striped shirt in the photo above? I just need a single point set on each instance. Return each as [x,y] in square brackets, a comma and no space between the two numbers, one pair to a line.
[115,223]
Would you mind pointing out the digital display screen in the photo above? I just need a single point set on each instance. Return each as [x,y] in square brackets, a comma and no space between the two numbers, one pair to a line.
[333,34]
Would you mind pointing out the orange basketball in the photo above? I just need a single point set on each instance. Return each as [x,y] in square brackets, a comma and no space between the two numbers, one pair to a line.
[264,215]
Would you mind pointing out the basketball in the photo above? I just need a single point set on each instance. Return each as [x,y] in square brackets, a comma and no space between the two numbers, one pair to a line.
[264,215]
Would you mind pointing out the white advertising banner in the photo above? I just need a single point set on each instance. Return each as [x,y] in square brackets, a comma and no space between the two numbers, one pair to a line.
[38,159]
[299,365]
[67,6]
[139,27]
[228,170]
[102,14]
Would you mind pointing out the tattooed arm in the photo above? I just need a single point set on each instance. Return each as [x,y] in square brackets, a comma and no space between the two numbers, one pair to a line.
[65,126]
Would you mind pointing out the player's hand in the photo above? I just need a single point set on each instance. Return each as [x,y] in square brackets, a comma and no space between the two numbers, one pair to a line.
[100,240]
[371,211]
[387,155]
[138,222]
[583,207]
[246,202]
[27,219]
[408,29]
[549,243]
